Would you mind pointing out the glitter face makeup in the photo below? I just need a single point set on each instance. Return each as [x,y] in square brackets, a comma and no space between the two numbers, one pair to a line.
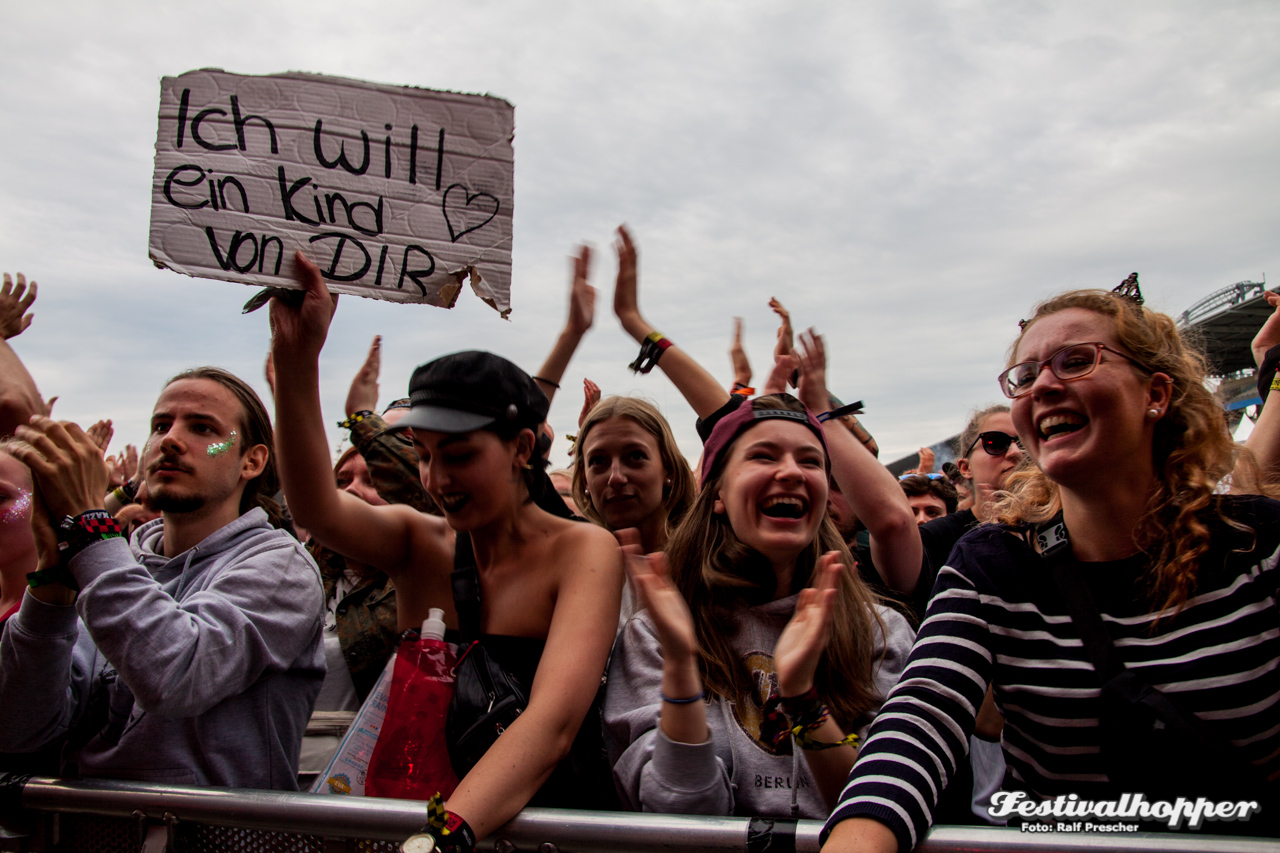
[18,510]
[222,447]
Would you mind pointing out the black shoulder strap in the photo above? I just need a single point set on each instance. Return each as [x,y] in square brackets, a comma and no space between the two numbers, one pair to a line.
[1101,651]
[1097,640]
[466,587]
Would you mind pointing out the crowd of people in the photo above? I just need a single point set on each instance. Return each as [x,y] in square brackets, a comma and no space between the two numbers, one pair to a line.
[1084,604]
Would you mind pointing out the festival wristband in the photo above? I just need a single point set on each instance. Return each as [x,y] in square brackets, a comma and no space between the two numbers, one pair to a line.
[444,831]
[354,419]
[851,409]
[1267,372]
[805,711]
[79,532]
[651,349]
[54,574]
[804,741]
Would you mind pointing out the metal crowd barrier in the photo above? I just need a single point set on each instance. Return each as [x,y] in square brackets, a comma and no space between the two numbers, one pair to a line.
[46,815]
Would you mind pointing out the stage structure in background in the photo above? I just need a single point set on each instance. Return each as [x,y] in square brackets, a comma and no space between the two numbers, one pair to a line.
[396,193]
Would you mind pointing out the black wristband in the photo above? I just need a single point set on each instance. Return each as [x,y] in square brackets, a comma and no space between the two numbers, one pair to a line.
[851,409]
[79,532]
[54,574]
[1267,371]
[130,490]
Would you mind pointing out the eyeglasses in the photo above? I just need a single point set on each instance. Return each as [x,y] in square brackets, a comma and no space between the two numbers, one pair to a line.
[1074,362]
[930,476]
[996,443]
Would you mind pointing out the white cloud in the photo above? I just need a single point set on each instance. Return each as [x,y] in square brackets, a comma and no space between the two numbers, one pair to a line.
[908,177]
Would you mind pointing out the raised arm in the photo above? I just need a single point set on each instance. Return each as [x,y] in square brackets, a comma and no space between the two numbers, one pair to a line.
[582,312]
[392,463]
[872,492]
[786,341]
[1264,441]
[386,537]
[738,358]
[699,387]
[564,688]
[19,397]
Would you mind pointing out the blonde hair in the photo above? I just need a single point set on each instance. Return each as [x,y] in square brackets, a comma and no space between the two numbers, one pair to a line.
[676,498]
[720,576]
[974,427]
[1192,451]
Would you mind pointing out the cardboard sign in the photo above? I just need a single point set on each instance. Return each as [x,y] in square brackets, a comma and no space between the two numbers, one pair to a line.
[396,193]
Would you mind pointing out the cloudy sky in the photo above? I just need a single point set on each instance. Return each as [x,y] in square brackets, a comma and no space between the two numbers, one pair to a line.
[909,177]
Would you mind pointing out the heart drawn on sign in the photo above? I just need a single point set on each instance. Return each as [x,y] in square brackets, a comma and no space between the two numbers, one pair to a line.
[464,212]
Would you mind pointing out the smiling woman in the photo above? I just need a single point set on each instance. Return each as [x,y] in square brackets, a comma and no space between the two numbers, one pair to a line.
[628,471]
[763,654]
[1116,572]
[550,587]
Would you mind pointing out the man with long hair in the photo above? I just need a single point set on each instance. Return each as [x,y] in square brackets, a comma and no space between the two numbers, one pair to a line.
[196,657]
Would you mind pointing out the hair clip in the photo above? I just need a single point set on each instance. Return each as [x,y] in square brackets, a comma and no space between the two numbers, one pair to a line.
[1128,289]
[1022,325]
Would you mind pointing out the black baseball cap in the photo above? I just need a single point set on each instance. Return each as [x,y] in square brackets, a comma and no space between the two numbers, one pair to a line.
[473,390]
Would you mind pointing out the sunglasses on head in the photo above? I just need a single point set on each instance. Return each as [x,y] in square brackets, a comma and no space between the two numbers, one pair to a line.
[995,443]
[930,476]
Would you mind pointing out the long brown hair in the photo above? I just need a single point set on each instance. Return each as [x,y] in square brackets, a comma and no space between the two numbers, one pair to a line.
[1192,451]
[676,498]
[255,427]
[720,576]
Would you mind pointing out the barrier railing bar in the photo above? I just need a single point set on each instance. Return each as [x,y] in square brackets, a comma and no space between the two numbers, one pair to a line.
[571,831]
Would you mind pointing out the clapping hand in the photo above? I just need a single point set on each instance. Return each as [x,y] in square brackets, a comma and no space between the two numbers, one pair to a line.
[651,576]
[15,306]
[800,647]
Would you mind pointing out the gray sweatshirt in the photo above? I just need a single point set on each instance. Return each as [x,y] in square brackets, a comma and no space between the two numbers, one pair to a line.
[196,670]
[737,771]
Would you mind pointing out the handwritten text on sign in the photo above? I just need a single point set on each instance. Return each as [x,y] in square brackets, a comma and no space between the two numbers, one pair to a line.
[396,193]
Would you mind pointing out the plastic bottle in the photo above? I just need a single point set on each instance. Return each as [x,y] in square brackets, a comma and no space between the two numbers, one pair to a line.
[411,757]
[433,625]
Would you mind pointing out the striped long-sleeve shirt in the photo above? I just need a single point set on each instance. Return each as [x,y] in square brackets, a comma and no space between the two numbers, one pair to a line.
[996,618]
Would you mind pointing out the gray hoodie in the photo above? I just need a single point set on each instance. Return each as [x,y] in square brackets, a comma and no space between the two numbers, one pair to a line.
[737,771]
[196,670]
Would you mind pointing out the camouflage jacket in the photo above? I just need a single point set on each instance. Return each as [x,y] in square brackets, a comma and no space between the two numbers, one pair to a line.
[392,464]
[366,616]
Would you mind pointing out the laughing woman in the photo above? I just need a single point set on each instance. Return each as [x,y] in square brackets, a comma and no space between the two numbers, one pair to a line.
[549,588]
[760,653]
[1117,528]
